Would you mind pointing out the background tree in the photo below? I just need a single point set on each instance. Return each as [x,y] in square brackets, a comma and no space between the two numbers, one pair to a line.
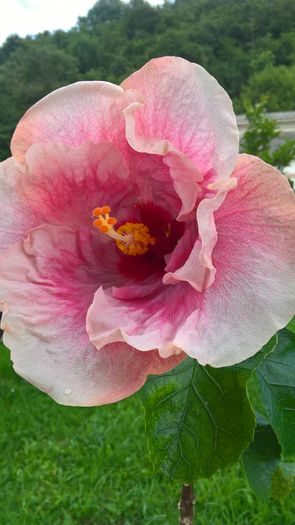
[249,46]
[275,84]
[260,135]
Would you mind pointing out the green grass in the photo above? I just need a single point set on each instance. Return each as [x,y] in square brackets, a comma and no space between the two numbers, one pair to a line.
[75,466]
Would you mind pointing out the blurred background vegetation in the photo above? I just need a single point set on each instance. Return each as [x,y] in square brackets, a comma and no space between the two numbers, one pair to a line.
[248,45]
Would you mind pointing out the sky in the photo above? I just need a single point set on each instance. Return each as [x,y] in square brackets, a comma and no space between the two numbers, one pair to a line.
[28,17]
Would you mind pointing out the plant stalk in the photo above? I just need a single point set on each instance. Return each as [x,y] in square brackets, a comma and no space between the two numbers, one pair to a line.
[186,505]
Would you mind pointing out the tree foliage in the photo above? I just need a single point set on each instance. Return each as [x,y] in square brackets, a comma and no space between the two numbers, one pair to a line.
[275,84]
[259,137]
[249,46]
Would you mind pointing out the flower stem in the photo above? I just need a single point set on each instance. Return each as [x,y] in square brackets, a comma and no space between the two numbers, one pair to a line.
[186,505]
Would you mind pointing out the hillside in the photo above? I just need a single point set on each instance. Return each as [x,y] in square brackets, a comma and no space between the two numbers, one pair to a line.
[248,45]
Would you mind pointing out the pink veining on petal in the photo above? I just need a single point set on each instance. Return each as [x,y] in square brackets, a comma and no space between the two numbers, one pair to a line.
[253,293]
[198,269]
[184,175]
[196,119]
[74,114]
[63,185]
[47,283]
[15,219]
[143,320]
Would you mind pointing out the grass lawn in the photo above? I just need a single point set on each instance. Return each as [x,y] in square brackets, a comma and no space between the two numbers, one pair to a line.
[90,466]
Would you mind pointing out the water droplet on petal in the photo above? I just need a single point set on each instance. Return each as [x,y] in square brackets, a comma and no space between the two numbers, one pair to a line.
[67,391]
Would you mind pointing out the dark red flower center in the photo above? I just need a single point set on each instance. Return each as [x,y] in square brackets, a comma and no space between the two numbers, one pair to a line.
[148,238]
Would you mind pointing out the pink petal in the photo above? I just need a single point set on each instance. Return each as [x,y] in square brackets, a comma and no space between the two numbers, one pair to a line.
[145,317]
[63,185]
[253,294]
[152,180]
[47,283]
[183,109]
[184,175]
[72,115]
[60,185]
[186,179]
[198,268]
[14,221]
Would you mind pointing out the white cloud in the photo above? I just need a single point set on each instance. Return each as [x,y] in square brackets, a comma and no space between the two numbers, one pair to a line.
[28,17]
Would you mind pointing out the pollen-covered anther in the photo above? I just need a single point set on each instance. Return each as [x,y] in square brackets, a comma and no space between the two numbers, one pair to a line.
[131,238]
[139,238]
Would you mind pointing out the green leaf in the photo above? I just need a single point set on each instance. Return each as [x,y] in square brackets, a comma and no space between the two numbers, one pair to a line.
[254,396]
[253,362]
[266,473]
[261,459]
[283,480]
[198,419]
[276,380]
[291,325]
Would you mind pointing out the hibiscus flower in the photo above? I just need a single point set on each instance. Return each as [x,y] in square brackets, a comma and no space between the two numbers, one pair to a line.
[133,234]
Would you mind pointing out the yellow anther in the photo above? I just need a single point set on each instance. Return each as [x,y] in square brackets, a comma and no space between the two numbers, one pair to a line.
[103,229]
[139,238]
[97,223]
[131,238]
[97,212]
